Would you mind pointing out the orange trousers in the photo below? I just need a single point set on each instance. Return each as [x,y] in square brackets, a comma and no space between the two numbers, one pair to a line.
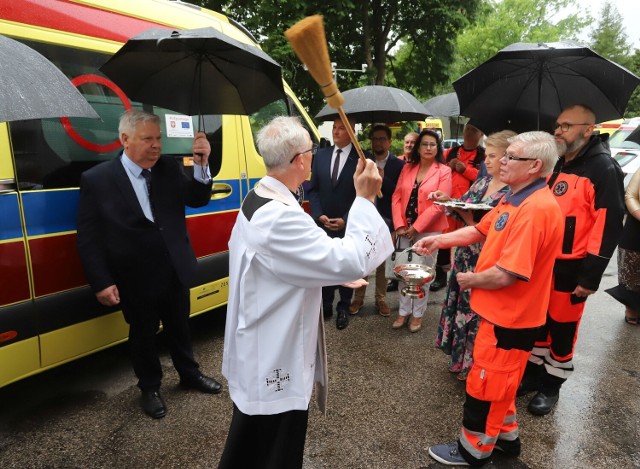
[500,357]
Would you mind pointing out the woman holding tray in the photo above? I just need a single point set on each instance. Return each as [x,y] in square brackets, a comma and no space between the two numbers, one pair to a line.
[458,323]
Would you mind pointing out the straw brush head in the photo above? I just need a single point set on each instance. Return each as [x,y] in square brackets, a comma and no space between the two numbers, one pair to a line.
[308,40]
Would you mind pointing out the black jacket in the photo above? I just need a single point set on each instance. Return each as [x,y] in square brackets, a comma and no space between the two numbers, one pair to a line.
[118,244]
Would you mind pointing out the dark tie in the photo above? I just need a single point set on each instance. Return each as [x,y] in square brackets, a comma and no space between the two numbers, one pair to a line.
[336,166]
[146,174]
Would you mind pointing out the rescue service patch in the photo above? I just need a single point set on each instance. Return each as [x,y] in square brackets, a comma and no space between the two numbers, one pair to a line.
[560,188]
[501,222]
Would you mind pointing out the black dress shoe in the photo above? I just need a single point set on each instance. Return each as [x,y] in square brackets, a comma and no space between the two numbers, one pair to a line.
[541,404]
[342,320]
[202,383]
[152,404]
[392,285]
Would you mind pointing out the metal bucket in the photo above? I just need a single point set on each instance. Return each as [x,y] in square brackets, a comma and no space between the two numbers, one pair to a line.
[415,276]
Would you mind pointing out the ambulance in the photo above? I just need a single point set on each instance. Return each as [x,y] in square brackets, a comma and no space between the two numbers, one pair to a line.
[48,314]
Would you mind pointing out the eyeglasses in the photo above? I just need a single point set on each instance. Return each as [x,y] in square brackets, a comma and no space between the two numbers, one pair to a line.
[379,139]
[313,150]
[511,157]
[565,126]
[428,144]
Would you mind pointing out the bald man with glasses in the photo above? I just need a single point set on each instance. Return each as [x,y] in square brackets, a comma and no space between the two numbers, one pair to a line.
[588,185]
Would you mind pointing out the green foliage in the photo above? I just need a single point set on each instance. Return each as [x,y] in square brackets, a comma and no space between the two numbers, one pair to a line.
[609,38]
[633,107]
[501,23]
[360,32]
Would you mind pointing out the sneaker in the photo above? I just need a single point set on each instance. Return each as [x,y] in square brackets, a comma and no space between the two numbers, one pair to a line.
[383,308]
[510,448]
[355,307]
[447,454]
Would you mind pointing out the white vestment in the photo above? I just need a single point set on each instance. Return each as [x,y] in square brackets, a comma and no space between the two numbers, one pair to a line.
[279,260]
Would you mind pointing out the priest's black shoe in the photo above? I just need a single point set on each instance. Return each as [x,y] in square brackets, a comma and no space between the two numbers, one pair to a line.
[152,404]
[342,320]
[541,404]
[202,383]
[440,281]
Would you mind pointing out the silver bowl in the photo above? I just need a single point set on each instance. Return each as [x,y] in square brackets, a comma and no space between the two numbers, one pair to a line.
[415,276]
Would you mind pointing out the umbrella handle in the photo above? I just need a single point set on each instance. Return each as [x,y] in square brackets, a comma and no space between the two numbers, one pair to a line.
[354,140]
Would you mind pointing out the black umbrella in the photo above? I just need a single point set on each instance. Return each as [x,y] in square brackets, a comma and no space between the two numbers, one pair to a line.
[195,72]
[525,86]
[31,87]
[444,105]
[377,104]
[634,136]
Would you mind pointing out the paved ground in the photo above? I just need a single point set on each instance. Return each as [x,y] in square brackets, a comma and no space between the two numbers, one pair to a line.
[391,397]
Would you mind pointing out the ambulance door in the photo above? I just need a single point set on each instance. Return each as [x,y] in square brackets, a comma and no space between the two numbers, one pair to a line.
[19,345]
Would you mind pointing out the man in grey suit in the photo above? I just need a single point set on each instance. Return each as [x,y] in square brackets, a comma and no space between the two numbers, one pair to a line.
[331,194]
[135,249]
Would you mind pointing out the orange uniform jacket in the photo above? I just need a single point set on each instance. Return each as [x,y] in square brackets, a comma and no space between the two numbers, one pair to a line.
[523,239]
[589,190]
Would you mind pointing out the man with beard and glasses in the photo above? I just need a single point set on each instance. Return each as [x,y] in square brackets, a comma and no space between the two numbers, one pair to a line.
[588,185]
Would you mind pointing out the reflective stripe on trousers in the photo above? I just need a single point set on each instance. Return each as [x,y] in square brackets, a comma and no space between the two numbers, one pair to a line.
[556,343]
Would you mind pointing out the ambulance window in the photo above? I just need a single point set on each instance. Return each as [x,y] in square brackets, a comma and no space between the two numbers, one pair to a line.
[51,155]
[278,108]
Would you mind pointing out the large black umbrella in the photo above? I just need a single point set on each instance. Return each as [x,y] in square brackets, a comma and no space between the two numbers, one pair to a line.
[195,72]
[444,105]
[377,104]
[31,87]
[525,86]
[634,136]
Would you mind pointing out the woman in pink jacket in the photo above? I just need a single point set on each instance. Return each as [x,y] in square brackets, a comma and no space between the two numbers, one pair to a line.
[414,213]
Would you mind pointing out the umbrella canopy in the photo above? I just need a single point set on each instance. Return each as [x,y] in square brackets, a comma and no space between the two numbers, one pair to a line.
[525,86]
[634,136]
[444,105]
[195,72]
[31,87]
[377,104]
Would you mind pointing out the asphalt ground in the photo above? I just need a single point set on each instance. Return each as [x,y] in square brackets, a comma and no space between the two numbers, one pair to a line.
[390,397]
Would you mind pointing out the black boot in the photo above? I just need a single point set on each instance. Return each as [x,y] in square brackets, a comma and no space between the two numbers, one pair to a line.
[440,280]
[547,397]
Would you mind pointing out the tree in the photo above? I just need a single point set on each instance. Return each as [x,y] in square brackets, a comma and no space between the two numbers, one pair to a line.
[609,38]
[505,22]
[633,107]
[358,31]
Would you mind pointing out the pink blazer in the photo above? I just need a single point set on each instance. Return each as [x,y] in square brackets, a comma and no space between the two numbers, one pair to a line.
[430,217]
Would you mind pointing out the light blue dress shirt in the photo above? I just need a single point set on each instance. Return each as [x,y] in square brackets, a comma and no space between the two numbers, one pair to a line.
[140,185]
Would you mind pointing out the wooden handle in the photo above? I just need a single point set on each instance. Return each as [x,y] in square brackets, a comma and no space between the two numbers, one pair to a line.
[354,140]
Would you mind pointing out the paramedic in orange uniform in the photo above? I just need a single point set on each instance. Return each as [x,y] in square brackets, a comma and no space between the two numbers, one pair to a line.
[509,290]
[588,185]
